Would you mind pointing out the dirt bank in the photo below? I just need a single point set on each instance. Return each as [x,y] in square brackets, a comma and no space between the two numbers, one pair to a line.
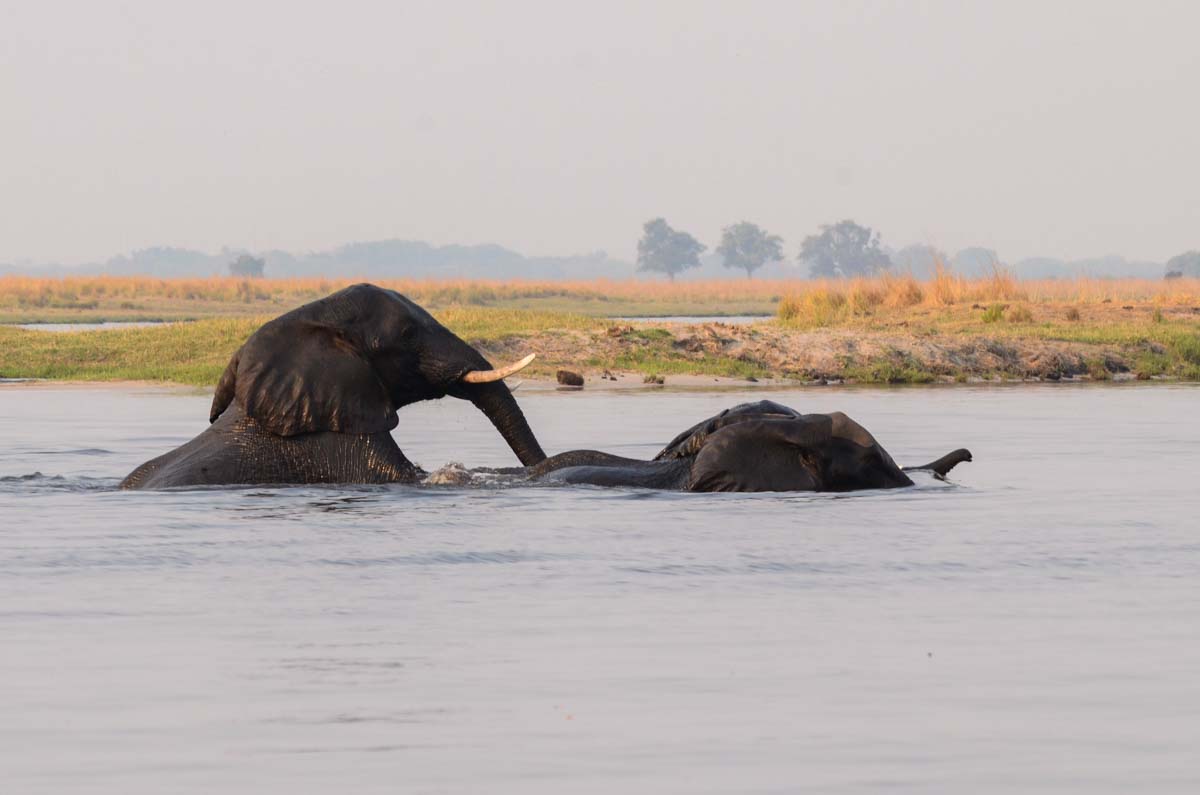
[770,351]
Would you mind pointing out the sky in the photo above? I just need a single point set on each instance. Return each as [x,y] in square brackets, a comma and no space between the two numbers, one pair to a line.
[1064,129]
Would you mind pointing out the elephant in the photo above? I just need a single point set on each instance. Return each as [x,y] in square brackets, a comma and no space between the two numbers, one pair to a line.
[761,446]
[311,397]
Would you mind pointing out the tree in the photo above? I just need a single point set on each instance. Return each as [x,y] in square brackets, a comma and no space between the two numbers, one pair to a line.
[248,266]
[667,251]
[920,259]
[1186,264]
[749,247]
[844,249]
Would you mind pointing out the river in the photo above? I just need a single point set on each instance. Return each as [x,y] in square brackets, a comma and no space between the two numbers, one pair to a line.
[1030,626]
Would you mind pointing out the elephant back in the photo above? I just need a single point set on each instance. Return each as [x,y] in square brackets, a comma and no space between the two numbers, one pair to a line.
[690,442]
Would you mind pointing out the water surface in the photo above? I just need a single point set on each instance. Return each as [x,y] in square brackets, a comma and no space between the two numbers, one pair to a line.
[1031,626]
[106,325]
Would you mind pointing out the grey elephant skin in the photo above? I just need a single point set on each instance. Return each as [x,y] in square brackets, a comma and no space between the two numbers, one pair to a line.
[761,446]
[311,397]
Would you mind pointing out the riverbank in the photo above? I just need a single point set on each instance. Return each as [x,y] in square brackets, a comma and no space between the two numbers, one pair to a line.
[801,302]
[919,344]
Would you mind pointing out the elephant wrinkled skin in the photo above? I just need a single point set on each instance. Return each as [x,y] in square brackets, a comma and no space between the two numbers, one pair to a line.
[311,397]
[761,446]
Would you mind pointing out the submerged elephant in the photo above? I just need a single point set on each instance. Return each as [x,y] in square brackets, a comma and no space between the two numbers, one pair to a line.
[311,397]
[760,446]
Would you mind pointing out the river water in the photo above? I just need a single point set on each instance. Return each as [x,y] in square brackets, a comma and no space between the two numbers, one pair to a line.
[1033,626]
[107,325]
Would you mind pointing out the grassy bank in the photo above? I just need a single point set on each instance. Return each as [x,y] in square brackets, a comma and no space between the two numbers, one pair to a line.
[888,330]
[196,352]
[1142,327]
[947,345]
[800,302]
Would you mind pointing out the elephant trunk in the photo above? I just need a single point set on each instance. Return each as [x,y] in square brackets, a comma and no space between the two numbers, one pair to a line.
[496,401]
[944,464]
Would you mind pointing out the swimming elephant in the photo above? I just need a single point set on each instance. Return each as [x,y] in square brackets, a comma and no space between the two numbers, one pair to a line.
[311,397]
[761,446]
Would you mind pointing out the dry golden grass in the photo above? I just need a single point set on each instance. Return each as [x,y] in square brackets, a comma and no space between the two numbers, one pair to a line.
[197,352]
[1151,327]
[797,302]
[24,299]
[821,303]
[31,291]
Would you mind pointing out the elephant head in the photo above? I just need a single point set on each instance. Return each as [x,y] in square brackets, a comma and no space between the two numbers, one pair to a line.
[812,452]
[761,446]
[766,446]
[347,362]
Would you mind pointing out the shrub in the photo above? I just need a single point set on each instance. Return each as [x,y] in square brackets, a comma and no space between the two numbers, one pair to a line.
[1188,348]
[946,288]
[902,291]
[864,296]
[1098,371]
[994,313]
[1020,314]
[817,308]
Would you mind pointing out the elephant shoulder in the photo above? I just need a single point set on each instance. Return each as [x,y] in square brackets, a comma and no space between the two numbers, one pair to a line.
[297,374]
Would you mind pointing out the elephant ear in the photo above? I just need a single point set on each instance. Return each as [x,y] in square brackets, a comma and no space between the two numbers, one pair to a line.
[300,376]
[225,389]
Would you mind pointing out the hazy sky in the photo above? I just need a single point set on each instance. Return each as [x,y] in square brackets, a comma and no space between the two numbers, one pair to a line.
[1064,129]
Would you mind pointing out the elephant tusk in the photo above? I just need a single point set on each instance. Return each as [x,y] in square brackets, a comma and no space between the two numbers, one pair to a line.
[487,376]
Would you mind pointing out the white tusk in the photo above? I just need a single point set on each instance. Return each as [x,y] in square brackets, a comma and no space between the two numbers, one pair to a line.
[487,376]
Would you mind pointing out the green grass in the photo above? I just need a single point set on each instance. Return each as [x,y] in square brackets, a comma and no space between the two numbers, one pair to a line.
[888,371]
[656,361]
[197,352]
[1183,340]
[994,313]
[185,353]
[98,299]
[650,334]
[1163,347]
[488,324]
[1187,347]
[1151,364]
[623,307]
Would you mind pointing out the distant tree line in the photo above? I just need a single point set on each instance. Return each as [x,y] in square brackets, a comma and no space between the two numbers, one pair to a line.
[848,250]
[1186,264]
[843,249]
